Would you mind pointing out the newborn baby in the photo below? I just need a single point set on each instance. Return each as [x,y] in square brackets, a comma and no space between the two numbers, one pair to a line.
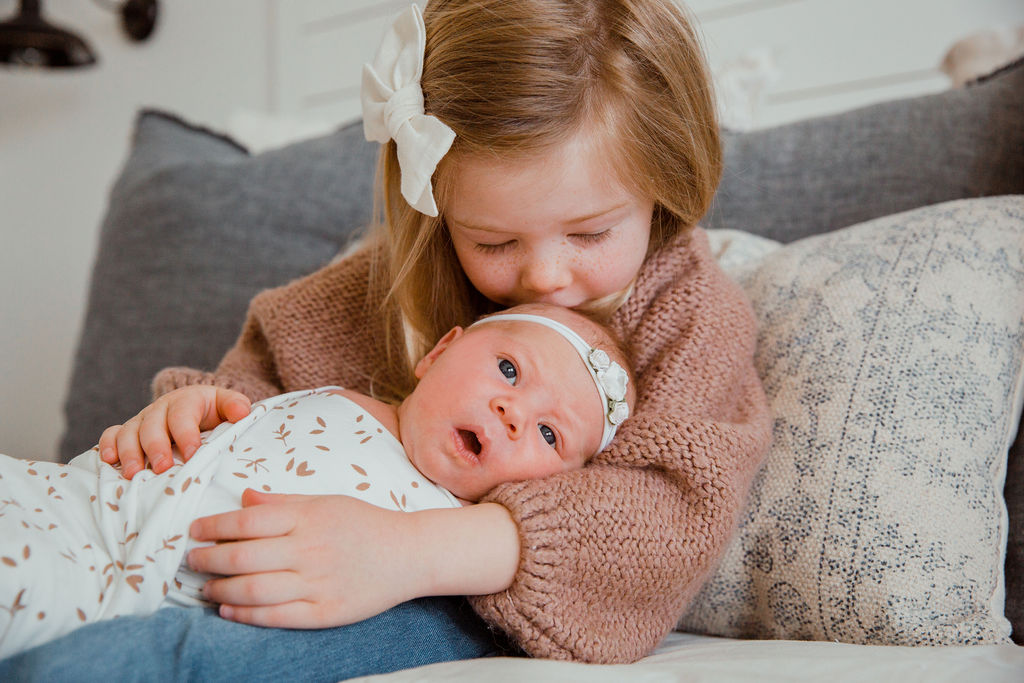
[522,394]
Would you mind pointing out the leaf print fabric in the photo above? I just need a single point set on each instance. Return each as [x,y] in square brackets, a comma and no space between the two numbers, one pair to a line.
[312,442]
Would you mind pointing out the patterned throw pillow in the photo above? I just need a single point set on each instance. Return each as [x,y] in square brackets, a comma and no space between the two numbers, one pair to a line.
[892,356]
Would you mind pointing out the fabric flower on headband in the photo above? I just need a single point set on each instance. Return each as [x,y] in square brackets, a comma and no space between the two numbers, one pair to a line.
[393,108]
[613,380]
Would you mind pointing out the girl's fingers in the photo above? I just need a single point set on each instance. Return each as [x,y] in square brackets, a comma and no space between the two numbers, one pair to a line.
[244,557]
[256,590]
[252,497]
[154,438]
[259,521]
[296,614]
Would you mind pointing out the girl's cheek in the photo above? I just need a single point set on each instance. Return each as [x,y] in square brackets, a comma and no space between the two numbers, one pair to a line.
[504,267]
[494,278]
[600,260]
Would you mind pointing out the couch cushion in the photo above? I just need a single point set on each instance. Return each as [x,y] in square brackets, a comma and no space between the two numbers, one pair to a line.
[194,228]
[892,354]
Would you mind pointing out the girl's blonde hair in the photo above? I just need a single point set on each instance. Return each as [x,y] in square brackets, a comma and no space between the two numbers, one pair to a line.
[515,78]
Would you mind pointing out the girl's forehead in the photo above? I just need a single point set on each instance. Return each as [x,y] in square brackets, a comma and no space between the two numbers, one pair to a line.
[563,159]
[561,186]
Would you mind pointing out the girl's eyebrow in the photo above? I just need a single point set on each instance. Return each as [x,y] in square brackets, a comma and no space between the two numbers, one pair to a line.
[470,226]
[596,214]
[572,221]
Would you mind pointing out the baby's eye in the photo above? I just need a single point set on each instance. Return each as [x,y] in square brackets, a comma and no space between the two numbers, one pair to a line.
[548,434]
[508,370]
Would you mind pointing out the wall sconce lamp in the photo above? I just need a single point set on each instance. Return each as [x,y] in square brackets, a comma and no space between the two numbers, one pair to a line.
[27,39]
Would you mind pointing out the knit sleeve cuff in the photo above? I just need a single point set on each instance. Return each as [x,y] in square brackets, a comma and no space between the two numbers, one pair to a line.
[520,611]
[170,379]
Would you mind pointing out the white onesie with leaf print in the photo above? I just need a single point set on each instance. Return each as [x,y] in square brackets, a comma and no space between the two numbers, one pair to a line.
[78,543]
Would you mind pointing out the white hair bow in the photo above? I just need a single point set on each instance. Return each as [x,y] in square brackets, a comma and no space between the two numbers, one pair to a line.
[393,108]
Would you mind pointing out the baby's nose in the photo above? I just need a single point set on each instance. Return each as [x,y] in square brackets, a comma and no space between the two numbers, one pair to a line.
[510,416]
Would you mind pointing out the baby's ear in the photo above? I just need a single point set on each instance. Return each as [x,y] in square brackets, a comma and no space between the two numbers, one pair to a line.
[439,347]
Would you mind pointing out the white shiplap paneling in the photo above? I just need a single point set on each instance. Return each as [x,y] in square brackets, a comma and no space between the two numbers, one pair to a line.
[829,55]
[321,47]
[833,55]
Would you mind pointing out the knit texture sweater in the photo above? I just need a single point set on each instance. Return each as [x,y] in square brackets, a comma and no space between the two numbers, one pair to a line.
[610,555]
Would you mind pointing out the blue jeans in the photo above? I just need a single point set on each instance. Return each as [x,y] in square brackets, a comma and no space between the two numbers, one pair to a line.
[182,644]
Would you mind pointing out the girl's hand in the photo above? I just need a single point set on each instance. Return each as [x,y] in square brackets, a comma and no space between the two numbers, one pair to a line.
[321,561]
[179,416]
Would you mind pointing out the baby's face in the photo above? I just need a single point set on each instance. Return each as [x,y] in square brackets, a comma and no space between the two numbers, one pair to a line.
[504,401]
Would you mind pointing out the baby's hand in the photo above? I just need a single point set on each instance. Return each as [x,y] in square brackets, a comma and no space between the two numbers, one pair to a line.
[178,416]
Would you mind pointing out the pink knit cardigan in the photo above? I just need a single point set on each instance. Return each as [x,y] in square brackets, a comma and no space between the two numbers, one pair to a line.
[611,554]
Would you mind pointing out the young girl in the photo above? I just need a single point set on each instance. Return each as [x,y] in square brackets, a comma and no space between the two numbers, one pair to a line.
[80,544]
[576,148]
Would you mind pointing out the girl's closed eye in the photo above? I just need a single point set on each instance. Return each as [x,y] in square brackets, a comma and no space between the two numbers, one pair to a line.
[494,248]
[578,237]
[591,237]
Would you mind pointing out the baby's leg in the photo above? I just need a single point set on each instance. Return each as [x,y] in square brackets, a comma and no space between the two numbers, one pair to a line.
[79,543]
[53,570]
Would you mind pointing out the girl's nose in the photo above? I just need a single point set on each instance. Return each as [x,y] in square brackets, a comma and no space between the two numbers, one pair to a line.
[510,415]
[545,274]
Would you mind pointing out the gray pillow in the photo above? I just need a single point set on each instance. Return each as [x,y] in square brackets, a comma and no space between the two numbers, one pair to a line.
[827,173]
[194,228]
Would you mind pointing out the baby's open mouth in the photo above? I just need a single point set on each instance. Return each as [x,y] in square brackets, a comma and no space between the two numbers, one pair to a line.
[470,441]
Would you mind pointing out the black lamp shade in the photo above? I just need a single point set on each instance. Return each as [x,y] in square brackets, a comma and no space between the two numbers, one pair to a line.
[28,40]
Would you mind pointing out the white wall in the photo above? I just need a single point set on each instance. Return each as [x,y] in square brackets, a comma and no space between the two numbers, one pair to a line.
[63,137]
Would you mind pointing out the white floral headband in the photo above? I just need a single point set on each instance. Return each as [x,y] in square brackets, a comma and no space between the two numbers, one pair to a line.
[609,377]
[393,108]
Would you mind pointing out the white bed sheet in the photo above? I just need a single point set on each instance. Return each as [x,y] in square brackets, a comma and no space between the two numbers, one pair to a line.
[691,658]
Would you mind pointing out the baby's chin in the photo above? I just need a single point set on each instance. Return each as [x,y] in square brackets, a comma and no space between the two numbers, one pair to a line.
[467,495]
